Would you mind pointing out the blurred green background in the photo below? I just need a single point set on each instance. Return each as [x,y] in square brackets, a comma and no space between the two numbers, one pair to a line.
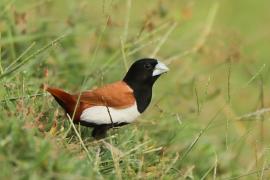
[209,115]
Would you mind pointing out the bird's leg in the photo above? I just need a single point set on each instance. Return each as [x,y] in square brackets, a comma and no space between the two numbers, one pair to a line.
[100,132]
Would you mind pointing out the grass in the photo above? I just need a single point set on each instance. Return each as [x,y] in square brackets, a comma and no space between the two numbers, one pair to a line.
[209,117]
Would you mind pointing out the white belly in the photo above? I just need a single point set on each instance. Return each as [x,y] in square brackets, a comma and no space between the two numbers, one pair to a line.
[100,115]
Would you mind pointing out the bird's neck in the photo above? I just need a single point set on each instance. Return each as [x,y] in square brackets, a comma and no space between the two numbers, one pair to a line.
[143,95]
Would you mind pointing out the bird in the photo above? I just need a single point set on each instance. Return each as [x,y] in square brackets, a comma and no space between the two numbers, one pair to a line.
[115,104]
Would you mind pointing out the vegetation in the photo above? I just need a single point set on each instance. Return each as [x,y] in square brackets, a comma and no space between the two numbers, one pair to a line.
[209,117]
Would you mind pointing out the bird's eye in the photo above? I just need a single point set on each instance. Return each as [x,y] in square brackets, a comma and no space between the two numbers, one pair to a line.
[147,66]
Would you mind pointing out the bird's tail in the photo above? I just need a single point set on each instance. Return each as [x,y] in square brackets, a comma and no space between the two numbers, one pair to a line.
[64,99]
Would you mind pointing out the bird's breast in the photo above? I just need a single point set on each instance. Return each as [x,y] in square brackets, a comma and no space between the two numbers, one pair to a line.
[106,115]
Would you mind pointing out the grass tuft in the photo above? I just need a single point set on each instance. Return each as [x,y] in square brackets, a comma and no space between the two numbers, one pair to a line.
[219,59]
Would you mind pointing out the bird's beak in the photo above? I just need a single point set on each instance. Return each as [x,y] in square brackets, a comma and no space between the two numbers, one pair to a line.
[160,68]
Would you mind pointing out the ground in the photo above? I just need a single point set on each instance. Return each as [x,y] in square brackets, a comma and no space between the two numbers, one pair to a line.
[209,116]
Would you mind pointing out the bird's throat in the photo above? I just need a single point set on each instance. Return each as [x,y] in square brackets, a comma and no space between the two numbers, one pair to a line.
[143,95]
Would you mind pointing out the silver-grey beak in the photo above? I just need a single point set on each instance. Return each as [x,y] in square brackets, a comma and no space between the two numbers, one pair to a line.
[160,68]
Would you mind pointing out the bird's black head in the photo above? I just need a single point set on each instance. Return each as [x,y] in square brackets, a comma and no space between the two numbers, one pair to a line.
[141,76]
[144,72]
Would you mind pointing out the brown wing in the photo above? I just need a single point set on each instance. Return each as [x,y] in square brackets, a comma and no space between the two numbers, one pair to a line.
[117,95]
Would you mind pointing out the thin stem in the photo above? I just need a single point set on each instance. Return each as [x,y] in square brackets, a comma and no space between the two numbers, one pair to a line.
[262,106]
[202,38]
[124,54]
[191,146]
[80,138]
[31,56]
[22,97]
[198,101]
[1,68]
[19,58]
[163,39]
[229,81]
